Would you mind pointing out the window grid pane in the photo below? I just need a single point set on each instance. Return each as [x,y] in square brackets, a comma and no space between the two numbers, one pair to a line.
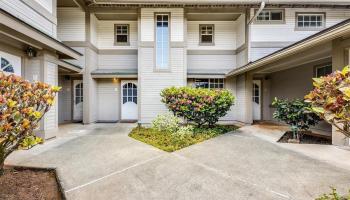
[122,33]
[270,15]
[310,20]
[206,33]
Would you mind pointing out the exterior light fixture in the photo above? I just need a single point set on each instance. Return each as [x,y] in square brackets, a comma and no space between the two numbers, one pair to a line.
[31,52]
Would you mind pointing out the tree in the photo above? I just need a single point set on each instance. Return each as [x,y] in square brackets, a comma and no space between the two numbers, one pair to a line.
[22,105]
[296,114]
[198,105]
[330,99]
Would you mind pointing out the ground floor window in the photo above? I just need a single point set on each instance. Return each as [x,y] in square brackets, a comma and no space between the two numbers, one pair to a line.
[323,70]
[211,83]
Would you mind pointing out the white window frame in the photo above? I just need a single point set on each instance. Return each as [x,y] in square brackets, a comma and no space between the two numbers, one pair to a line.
[116,34]
[167,67]
[269,20]
[210,82]
[201,26]
[310,28]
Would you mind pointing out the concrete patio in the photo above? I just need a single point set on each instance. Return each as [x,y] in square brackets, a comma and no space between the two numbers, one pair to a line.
[100,161]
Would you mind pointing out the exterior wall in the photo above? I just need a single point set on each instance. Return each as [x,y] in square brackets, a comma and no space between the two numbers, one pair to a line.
[51,117]
[64,100]
[271,37]
[290,84]
[151,81]
[108,100]
[71,24]
[105,32]
[36,13]
[211,62]
[117,61]
[243,103]
[225,34]
[93,29]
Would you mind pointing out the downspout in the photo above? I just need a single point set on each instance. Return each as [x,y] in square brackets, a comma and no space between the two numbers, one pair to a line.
[262,6]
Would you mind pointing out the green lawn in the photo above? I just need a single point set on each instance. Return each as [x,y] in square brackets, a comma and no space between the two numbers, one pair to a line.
[172,142]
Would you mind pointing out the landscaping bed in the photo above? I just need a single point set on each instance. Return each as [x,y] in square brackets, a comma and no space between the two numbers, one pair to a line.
[29,184]
[306,138]
[171,142]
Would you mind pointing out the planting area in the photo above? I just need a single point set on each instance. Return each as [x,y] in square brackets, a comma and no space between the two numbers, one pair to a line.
[170,142]
[26,184]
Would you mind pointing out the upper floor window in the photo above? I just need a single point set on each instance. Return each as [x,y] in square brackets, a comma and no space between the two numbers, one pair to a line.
[323,70]
[212,83]
[206,33]
[270,16]
[162,41]
[121,34]
[310,21]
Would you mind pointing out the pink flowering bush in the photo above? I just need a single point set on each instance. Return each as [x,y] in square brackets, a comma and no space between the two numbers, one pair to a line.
[198,105]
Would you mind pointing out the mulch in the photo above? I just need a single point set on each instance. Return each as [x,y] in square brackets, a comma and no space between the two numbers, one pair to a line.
[306,139]
[29,184]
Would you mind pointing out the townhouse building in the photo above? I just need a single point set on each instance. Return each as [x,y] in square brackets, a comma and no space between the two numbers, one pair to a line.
[113,58]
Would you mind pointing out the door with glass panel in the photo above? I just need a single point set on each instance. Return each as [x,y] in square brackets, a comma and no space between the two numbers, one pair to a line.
[256,99]
[129,100]
[78,100]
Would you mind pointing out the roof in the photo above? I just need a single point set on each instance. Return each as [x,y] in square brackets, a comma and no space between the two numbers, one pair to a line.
[328,34]
[57,45]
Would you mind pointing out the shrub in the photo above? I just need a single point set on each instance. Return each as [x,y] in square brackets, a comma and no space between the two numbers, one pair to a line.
[296,114]
[166,122]
[184,131]
[334,196]
[330,99]
[22,105]
[198,105]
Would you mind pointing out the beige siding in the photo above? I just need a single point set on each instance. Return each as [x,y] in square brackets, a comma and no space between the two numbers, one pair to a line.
[81,61]
[147,23]
[153,82]
[257,53]
[108,100]
[241,58]
[117,61]
[70,24]
[240,98]
[29,15]
[64,100]
[93,29]
[240,29]
[211,62]
[51,77]
[224,38]
[286,32]
[105,35]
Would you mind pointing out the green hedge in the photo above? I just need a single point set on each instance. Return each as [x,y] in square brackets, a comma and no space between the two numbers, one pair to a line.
[198,105]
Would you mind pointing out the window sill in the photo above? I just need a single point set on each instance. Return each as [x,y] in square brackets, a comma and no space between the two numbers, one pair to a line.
[269,22]
[309,29]
[122,44]
[206,44]
[159,70]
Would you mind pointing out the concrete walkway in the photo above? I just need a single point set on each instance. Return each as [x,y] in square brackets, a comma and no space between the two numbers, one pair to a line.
[101,162]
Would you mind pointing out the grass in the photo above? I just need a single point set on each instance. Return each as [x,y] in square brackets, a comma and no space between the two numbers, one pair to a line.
[172,142]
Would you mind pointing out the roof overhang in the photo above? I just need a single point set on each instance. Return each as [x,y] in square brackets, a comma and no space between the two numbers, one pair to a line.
[194,3]
[205,73]
[19,30]
[114,73]
[337,31]
[69,66]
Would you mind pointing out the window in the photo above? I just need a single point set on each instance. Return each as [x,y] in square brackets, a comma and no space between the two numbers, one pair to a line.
[323,70]
[310,20]
[212,83]
[79,93]
[206,32]
[6,66]
[129,93]
[270,16]
[122,34]
[162,41]
[256,93]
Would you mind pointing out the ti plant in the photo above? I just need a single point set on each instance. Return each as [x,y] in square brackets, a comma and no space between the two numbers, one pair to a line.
[330,99]
[22,105]
[296,114]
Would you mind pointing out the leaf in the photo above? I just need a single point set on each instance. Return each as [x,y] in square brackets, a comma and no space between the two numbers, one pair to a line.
[318,81]
[318,110]
[345,70]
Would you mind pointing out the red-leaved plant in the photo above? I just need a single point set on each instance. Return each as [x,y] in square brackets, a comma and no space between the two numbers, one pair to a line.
[22,105]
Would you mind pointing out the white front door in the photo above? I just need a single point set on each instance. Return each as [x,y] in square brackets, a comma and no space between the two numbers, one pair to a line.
[129,100]
[256,99]
[78,100]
